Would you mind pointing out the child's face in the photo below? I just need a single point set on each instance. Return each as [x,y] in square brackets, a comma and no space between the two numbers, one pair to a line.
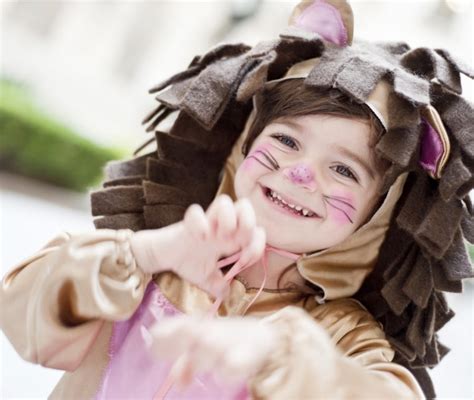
[320,162]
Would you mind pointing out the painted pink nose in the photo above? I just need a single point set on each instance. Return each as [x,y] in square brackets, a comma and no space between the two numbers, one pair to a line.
[301,175]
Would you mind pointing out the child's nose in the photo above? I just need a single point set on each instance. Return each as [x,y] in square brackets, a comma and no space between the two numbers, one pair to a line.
[302,175]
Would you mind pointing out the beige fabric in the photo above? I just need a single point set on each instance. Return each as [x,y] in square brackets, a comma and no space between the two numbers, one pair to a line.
[378,102]
[191,300]
[308,366]
[84,382]
[65,292]
[340,270]
[344,355]
[56,335]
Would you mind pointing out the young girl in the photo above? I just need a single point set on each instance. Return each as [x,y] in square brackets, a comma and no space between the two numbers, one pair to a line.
[329,190]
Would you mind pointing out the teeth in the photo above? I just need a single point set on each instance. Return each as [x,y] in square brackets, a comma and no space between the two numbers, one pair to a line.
[300,209]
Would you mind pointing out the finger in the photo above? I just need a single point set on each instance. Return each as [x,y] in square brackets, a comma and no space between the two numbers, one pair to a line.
[255,248]
[183,371]
[246,220]
[196,222]
[215,284]
[172,337]
[231,372]
[222,217]
[210,278]
[204,356]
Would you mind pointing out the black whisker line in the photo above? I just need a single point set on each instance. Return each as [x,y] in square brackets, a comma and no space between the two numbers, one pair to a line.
[341,201]
[337,208]
[277,166]
[266,166]
[270,159]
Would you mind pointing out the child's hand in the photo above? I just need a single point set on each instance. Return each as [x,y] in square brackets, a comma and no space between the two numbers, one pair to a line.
[234,348]
[192,247]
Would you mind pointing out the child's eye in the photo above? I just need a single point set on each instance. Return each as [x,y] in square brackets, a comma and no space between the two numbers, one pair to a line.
[345,171]
[286,140]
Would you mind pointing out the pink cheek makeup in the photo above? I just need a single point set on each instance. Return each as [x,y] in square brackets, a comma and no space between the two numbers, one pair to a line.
[252,160]
[341,208]
[249,164]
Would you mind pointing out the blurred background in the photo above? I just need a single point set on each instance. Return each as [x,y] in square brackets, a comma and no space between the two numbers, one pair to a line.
[74,77]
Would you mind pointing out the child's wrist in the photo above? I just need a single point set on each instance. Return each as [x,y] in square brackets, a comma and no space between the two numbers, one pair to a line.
[155,249]
[141,244]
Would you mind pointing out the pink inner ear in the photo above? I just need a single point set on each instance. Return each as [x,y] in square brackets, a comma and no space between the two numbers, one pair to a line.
[431,147]
[324,19]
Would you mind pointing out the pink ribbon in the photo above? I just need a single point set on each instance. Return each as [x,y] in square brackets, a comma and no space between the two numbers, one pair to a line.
[235,270]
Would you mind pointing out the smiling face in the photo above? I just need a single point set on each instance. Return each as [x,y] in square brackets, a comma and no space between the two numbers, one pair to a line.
[320,163]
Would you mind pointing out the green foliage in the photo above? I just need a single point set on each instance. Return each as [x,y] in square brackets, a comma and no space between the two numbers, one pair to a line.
[471,252]
[35,145]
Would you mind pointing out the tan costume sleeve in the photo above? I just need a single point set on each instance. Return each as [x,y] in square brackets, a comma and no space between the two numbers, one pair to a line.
[342,356]
[54,303]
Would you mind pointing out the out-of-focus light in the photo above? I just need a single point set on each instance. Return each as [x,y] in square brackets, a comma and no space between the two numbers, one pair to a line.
[458,6]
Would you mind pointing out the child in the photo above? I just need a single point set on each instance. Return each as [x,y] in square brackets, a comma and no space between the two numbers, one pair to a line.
[358,156]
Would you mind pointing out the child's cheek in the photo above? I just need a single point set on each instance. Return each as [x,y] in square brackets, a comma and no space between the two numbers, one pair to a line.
[343,212]
[249,164]
[339,217]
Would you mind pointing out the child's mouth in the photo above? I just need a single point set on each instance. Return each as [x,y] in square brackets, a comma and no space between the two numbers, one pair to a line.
[295,211]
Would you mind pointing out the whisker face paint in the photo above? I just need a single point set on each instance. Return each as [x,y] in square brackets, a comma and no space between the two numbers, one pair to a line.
[265,158]
[342,200]
[344,207]
[272,159]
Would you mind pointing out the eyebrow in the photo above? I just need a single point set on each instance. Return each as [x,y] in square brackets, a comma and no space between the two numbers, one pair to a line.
[292,124]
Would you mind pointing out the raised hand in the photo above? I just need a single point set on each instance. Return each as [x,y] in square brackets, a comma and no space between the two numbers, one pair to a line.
[234,348]
[192,247]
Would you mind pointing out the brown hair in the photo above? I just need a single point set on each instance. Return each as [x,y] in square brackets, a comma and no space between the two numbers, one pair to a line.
[293,98]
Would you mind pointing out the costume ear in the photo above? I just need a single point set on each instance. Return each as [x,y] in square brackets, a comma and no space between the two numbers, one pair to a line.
[331,19]
[435,147]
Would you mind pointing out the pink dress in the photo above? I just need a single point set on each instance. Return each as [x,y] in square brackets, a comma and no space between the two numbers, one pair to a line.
[134,373]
